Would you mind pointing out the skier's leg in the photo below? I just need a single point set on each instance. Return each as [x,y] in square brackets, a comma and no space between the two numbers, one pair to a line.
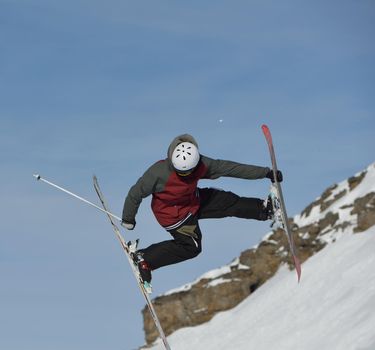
[185,245]
[219,204]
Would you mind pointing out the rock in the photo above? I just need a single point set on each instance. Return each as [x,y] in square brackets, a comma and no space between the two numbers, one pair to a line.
[365,209]
[208,296]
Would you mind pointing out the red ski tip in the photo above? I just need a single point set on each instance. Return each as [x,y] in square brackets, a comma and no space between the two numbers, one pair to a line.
[267,134]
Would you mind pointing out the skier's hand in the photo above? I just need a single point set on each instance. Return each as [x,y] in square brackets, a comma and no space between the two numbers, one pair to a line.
[128,225]
[279,176]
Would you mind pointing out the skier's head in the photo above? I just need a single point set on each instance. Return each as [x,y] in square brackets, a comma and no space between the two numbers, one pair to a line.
[184,155]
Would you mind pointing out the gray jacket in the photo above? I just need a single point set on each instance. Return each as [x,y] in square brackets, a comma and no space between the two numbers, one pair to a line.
[173,196]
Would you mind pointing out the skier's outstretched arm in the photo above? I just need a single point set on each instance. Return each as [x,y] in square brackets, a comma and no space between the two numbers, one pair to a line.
[227,168]
[142,189]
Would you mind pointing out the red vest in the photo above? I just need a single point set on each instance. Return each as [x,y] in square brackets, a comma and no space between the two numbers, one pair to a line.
[179,197]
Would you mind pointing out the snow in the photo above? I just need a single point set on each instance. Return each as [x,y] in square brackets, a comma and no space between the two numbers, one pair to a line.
[218,281]
[211,275]
[367,185]
[331,308]
[339,206]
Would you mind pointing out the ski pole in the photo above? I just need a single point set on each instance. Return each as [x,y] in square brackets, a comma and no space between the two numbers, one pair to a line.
[39,178]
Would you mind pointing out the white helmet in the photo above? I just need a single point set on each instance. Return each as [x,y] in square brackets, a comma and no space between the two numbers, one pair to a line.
[185,157]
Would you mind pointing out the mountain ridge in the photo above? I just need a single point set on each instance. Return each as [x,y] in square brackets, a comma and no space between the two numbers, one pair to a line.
[348,206]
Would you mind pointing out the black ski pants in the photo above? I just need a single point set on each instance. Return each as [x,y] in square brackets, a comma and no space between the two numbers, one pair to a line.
[187,238]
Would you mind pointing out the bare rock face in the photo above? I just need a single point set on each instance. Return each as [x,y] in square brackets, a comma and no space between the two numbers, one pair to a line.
[198,302]
[365,209]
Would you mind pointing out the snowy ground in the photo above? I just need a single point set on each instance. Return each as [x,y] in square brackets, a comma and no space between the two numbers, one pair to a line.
[332,308]
[342,207]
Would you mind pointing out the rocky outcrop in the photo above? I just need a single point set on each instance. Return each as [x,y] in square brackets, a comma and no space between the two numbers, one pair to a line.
[223,289]
[364,208]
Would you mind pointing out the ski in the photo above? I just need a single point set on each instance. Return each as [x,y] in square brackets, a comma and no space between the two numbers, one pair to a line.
[127,249]
[276,206]
[280,199]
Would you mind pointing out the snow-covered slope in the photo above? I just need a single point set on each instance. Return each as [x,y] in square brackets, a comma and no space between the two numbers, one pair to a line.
[333,307]
[337,200]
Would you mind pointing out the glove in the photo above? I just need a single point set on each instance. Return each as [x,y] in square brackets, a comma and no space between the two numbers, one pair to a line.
[128,225]
[279,176]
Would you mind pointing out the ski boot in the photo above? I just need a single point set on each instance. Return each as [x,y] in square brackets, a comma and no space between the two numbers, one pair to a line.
[268,208]
[272,208]
[143,267]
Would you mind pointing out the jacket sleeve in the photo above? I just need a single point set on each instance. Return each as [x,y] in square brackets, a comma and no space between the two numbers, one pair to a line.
[217,168]
[142,189]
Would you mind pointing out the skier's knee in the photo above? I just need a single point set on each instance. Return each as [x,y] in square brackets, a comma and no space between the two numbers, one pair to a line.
[189,246]
[194,249]
[197,250]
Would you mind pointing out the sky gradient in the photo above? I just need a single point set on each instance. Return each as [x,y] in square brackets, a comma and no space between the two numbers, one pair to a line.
[93,87]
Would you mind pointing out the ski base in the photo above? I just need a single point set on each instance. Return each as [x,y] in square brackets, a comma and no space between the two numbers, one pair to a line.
[124,245]
[280,201]
[127,252]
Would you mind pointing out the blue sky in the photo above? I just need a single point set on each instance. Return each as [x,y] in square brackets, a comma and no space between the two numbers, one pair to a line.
[103,87]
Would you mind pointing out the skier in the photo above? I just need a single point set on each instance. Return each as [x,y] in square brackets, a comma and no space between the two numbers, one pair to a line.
[178,204]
